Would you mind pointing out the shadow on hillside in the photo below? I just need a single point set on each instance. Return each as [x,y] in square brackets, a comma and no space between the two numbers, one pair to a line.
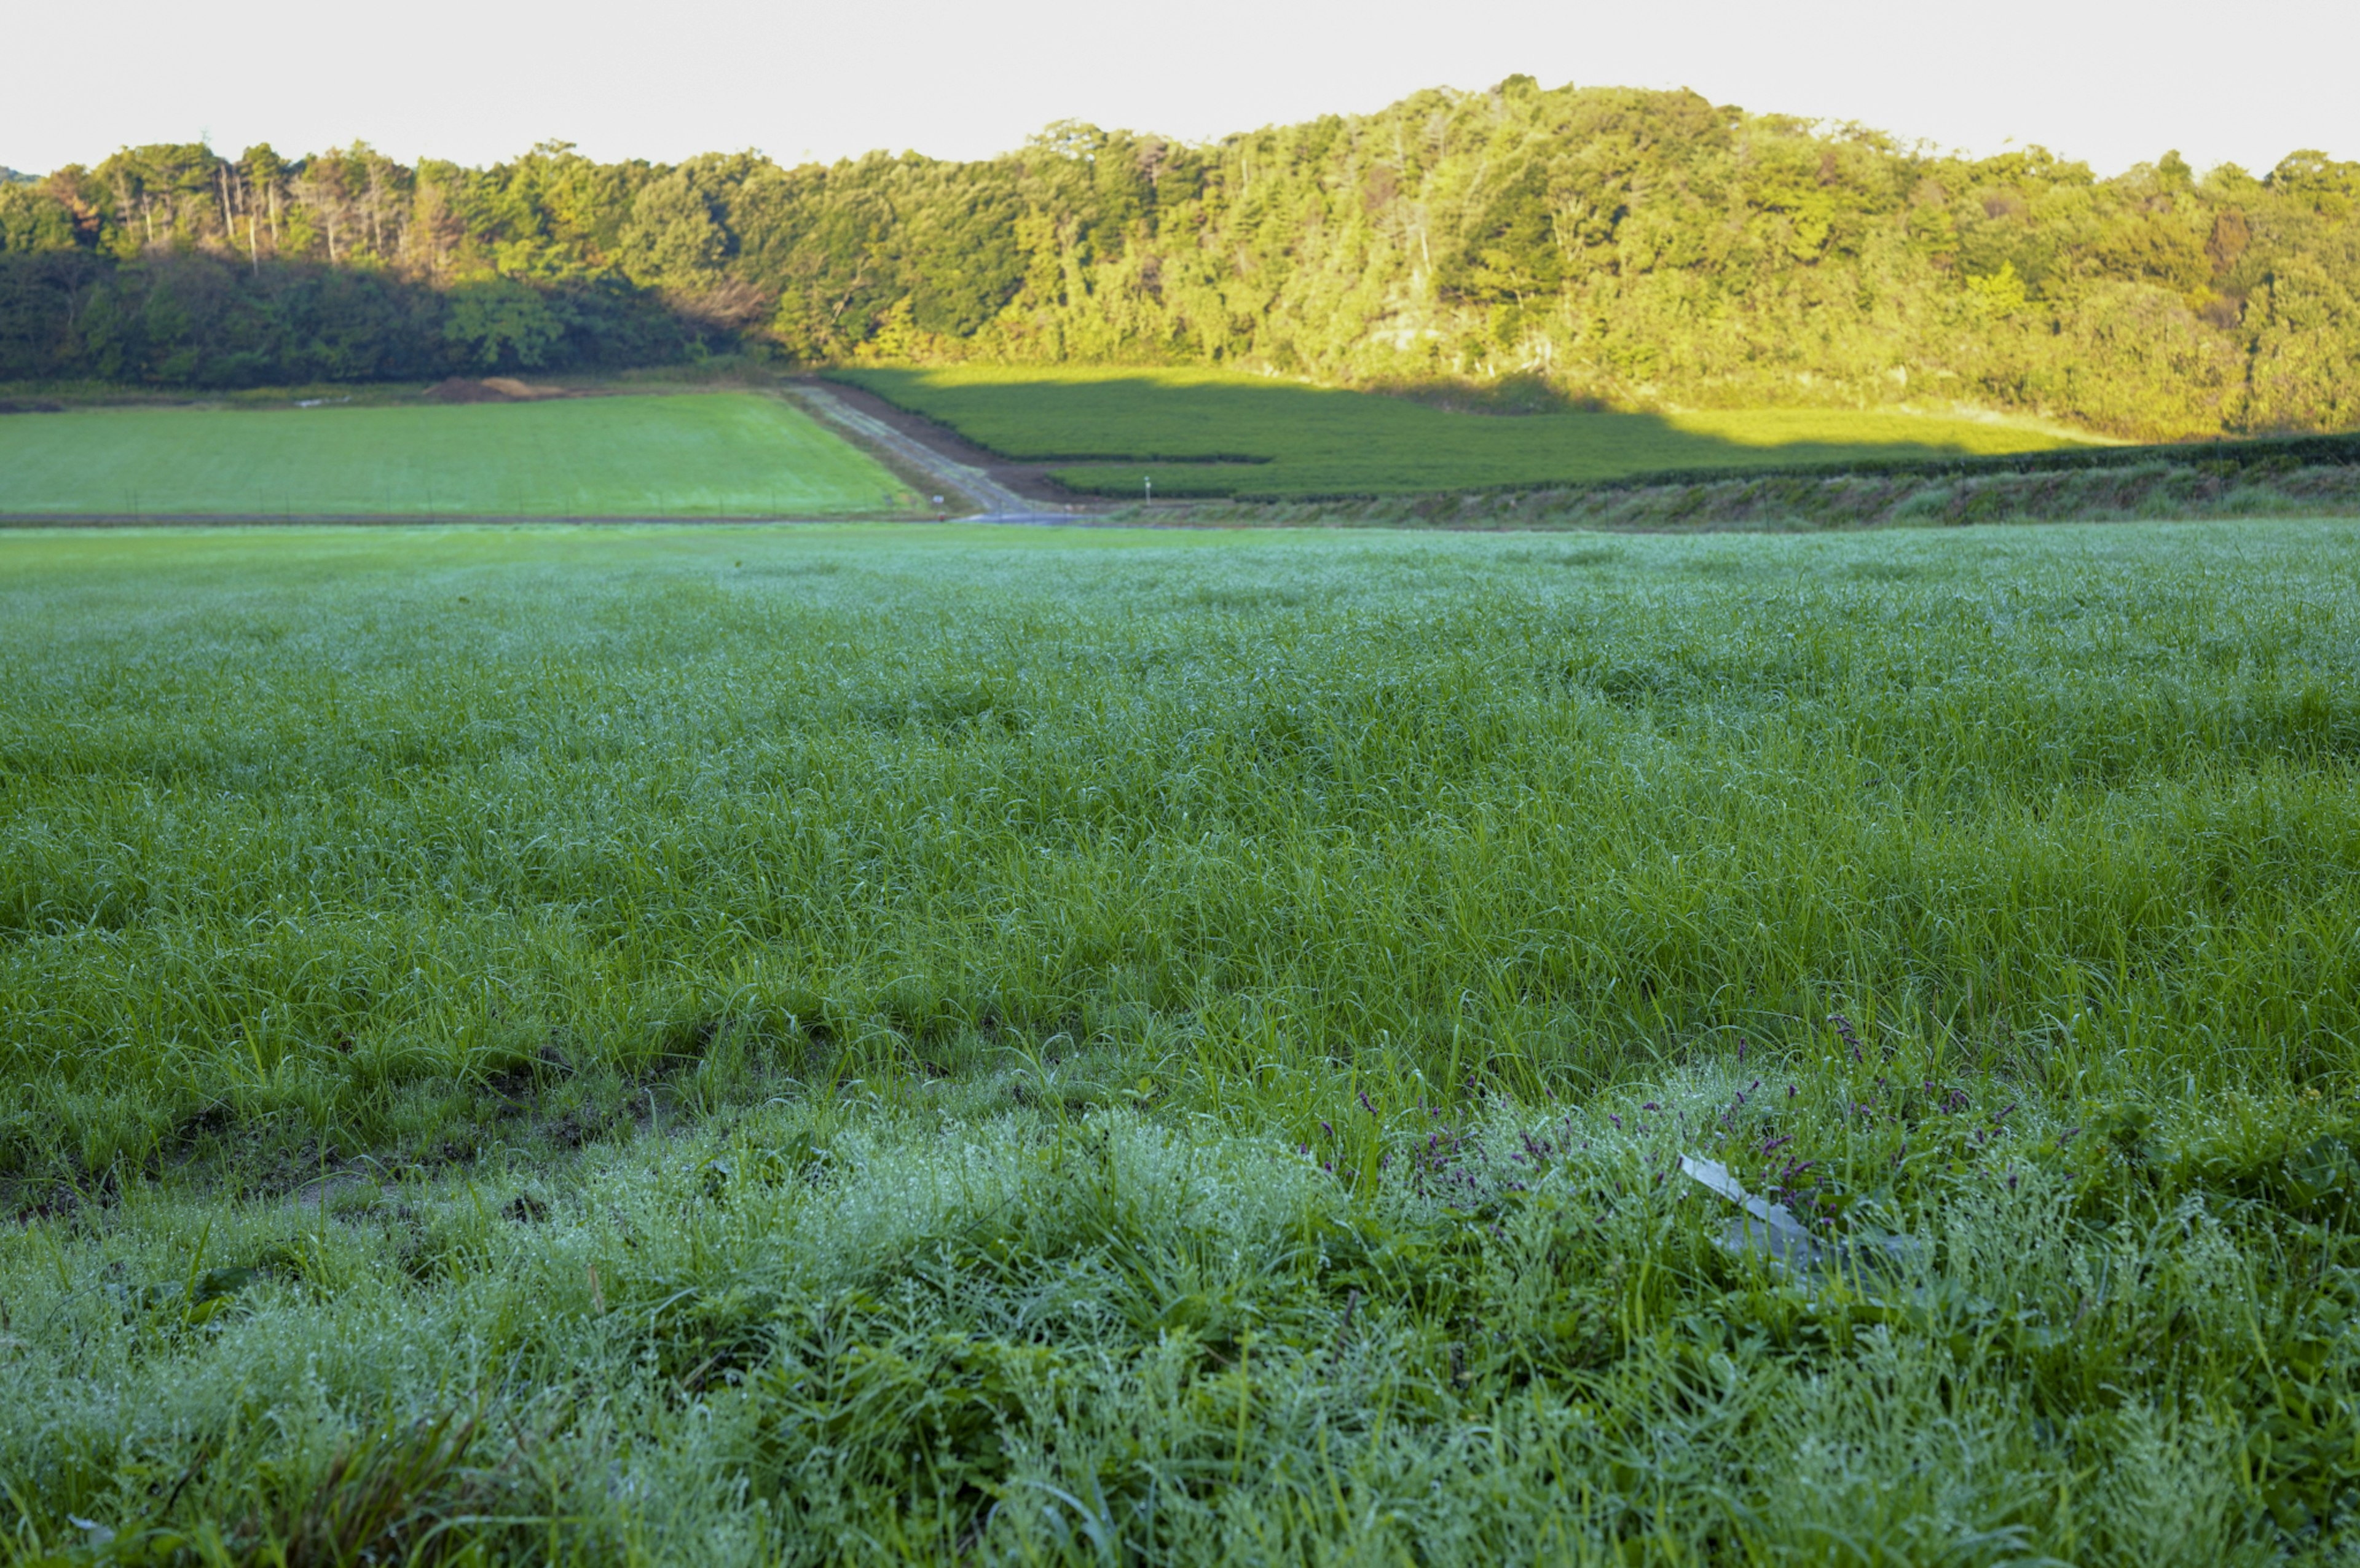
[1194,433]
[197,321]
[1504,397]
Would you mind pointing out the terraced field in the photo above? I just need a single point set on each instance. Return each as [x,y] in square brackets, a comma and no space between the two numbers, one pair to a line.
[694,455]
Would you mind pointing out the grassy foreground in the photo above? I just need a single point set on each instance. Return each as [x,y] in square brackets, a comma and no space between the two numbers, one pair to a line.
[705,454]
[1210,432]
[827,1044]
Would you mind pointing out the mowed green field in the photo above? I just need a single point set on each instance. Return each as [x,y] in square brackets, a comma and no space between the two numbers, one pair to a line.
[707,455]
[841,1044]
[1209,432]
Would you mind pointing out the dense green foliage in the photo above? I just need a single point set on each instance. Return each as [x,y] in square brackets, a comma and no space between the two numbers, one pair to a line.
[1210,432]
[695,455]
[1064,1030]
[1638,248]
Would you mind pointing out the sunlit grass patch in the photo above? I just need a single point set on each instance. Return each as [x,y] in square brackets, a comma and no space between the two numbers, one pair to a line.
[699,455]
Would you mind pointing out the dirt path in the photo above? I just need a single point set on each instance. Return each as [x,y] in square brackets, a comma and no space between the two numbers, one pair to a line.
[1004,489]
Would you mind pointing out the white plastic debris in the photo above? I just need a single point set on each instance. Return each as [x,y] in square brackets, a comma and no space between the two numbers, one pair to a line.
[1772,1230]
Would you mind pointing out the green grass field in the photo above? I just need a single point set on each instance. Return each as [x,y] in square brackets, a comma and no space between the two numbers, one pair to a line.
[840,1044]
[691,455]
[1207,432]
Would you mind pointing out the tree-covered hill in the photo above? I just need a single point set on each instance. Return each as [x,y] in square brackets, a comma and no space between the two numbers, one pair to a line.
[1632,247]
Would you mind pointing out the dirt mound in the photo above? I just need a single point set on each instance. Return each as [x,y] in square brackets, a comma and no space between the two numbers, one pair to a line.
[509,386]
[458,389]
[490,389]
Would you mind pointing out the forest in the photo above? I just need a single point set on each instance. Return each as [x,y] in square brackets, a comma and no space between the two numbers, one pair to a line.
[1517,247]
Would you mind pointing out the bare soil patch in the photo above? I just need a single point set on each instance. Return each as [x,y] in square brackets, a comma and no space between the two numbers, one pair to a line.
[490,389]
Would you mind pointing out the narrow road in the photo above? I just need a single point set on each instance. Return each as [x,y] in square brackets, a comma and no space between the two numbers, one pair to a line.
[1000,504]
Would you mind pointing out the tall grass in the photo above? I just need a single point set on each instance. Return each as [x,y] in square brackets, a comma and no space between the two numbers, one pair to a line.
[830,1043]
[294,827]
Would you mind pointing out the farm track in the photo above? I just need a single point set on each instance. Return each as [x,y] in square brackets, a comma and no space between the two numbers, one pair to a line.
[1007,490]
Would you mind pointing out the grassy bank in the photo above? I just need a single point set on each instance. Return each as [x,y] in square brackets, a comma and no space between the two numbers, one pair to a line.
[1207,432]
[810,1044]
[685,455]
[2233,483]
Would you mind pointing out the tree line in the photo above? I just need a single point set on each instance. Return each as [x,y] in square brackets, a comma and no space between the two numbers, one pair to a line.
[1627,247]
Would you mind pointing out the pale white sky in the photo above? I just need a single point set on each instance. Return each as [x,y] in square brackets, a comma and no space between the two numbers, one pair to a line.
[481,79]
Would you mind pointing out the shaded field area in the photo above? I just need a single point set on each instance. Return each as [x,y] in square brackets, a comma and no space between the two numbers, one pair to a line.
[818,1044]
[690,455]
[1215,434]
